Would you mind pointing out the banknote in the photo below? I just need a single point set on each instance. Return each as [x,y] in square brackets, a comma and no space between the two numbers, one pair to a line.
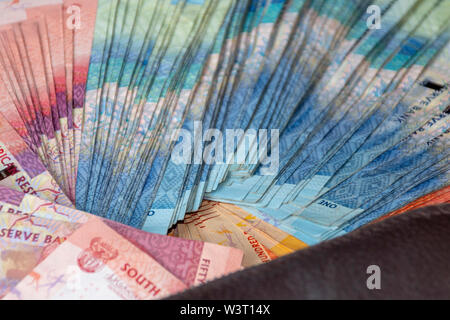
[83,33]
[354,66]
[140,188]
[124,73]
[416,151]
[23,171]
[195,111]
[23,122]
[336,156]
[165,214]
[33,32]
[311,231]
[330,213]
[102,39]
[423,180]
[264,68]
[436,177]
[26,241]
[316,16]
[93,84]
[150,91]
[248,219]
[220,226]
[260,34]
[415,121]
[260,65]
[122,37]
[307,234]
[192,262]
[431,105]
[267,66]
[97,263]
[432,198]
[60,25]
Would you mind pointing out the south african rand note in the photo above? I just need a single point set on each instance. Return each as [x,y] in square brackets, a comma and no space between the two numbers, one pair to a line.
[24,242]
[65,28]
[85,13]
[437,197]
[277,234]
[22,169]
[252,230]
[208,225]
[46,16]
[95,262]
[193,262]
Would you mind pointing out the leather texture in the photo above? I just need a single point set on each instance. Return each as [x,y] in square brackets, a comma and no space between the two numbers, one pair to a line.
[412,251]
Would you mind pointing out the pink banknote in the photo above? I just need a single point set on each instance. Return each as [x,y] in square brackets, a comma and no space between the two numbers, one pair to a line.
[26,241]
[95,262]
[193,262]
[32,34]
[44,60]
[22,170]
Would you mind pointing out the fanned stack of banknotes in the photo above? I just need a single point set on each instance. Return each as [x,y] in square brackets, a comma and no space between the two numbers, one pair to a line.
[246,130]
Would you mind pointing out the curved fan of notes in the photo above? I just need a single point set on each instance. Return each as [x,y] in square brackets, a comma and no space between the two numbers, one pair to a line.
[263,125]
